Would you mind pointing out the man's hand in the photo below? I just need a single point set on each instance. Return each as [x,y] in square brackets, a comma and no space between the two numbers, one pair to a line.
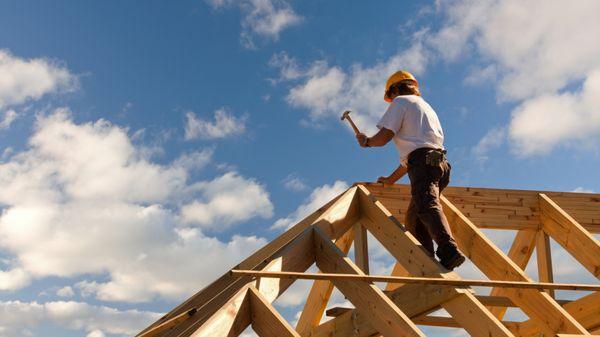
[362,139]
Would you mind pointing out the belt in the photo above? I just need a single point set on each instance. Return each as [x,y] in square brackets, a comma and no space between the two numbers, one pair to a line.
[424,150]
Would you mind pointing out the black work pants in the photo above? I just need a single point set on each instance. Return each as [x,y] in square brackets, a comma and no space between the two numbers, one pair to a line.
[425,218]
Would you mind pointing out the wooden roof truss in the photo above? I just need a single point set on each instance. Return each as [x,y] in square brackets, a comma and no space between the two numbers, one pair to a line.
[232,303]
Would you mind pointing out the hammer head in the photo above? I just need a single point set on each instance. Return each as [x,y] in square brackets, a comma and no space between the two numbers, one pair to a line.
[345,114]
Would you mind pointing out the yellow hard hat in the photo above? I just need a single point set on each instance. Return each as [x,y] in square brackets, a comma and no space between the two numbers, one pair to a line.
[401,75]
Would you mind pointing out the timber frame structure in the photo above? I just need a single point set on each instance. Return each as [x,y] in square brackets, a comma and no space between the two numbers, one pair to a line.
[231,304]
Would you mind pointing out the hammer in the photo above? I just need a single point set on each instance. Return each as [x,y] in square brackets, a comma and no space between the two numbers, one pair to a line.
[346,115]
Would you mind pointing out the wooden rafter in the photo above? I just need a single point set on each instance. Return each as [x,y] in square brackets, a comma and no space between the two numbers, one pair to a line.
[320,292]
[551,317]
[498,208]
[266,321]
[361,248]
[232,303]
[368,299]
[544,260]
[407,250]
[570,234]
[586,310]
[520,252]
[412,299]
[298,255]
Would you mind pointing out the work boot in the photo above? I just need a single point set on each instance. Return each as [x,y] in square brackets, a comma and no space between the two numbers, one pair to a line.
[450,257]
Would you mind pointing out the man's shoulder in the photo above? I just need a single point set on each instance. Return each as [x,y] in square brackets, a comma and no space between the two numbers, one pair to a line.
[403,99]
[410,102]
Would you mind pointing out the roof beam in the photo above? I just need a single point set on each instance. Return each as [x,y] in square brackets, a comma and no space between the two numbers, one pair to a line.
[570,234]
[544,260]
[407,250]
[520,253]
[367,298]
[495,265]
[320,292]
[266,321]
[585,310]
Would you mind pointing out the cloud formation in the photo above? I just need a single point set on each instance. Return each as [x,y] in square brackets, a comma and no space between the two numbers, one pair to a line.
[19,318]
[548,70]
[82,199]
[30,79]
[225,124]
[294,183]
[221,205]
[534,62]
[325,91]
[263,18]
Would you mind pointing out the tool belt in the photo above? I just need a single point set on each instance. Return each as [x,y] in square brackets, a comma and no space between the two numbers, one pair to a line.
[433,157]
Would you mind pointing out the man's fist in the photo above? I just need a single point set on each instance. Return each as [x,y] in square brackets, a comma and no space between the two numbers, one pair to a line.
[362,139]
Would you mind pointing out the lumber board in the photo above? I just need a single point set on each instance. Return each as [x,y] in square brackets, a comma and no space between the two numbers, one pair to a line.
[320,293]
[409,252]
[520,253]
[361,248]
[266,321]
[412,299]
[497,266]
[229,320]
[298,256]
[398,270]
[416,279]
[339,213]
[367,298]
[544,260]
[586,310]
[499,208]
[570,235]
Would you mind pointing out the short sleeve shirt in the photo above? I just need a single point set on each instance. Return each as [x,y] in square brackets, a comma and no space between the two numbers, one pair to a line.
[414,123]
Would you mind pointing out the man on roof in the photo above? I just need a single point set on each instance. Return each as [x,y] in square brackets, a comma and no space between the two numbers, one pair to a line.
[415,128]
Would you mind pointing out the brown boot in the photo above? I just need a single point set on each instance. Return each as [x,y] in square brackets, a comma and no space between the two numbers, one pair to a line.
[450,257]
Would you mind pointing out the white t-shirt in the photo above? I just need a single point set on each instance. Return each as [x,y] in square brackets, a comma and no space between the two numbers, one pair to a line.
[414,123]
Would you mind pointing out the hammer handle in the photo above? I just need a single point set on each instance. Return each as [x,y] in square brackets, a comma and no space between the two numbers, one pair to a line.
[353,125]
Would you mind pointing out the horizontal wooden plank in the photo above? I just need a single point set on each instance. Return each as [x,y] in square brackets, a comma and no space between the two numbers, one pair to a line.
[499,208]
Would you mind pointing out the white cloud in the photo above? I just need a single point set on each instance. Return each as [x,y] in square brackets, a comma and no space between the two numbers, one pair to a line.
[30,79]
[326,90]
[102,208]
[264,18]
[96,333]
[542,123]
[227,200]
[294,183]
[582,190]
[532,61]
[13,278]
[288,66]
[319,197]
[8,118]
[535,63]
[493,139]
[16,318]
[65,292]
[225,125]
[194,160]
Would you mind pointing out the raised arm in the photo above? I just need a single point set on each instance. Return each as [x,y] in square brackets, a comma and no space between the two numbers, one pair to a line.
[380,139]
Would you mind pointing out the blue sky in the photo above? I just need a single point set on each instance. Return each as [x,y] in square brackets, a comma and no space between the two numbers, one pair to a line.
[207,127]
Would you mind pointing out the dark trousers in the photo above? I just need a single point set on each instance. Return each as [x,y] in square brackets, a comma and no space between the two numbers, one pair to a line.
[424,217]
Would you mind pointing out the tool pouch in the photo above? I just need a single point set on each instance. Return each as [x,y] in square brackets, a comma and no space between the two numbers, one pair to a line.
[434,158]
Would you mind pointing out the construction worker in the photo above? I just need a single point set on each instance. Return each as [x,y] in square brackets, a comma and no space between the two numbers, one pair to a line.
[415,129]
